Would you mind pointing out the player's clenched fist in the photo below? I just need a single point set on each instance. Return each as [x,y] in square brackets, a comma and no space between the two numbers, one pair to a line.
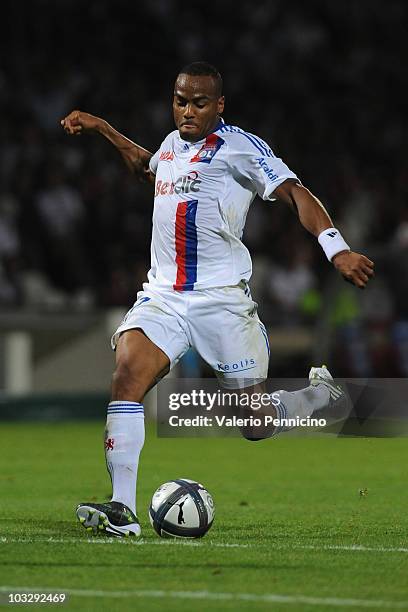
[355,268]
[77,122]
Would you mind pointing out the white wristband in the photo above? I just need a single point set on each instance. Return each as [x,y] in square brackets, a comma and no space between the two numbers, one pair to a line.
[332,242]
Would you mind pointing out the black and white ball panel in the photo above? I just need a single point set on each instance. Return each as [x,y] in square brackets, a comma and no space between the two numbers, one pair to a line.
[181,508]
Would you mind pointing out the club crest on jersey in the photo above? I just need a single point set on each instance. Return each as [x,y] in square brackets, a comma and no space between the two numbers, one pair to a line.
[208,150]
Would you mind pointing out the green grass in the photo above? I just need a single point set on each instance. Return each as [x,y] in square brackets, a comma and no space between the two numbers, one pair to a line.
[290,500]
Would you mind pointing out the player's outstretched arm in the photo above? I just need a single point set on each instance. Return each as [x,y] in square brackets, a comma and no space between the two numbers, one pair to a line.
[135,157]
[354,267]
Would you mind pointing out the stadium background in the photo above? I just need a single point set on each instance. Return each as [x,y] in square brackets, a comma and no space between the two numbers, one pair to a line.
[317,522]
[321,83]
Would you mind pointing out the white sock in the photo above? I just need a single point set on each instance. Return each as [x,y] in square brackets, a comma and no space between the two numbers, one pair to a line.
[300,403]
[124,439]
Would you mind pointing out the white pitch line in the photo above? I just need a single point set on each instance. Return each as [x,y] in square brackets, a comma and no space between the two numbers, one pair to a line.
[202,544]
[354,548]
[214,596]
[125,541]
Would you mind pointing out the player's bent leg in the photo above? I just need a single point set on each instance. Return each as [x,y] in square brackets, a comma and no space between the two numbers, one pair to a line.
[289,407]
[238,351]
[139,363]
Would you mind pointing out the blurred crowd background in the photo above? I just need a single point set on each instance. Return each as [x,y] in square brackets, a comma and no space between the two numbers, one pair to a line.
[322,82]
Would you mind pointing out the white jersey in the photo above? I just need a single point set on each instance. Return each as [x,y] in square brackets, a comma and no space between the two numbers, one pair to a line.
[203,192]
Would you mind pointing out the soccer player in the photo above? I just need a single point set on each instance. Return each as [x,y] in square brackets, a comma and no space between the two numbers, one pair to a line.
[206,174]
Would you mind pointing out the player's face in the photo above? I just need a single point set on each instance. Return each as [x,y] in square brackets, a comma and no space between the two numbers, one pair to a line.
[196,106]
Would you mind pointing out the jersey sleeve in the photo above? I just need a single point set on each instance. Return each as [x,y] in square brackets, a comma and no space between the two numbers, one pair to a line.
[254,160]
[154,162]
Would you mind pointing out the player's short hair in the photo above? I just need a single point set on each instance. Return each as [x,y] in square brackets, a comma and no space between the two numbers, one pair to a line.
[204,69]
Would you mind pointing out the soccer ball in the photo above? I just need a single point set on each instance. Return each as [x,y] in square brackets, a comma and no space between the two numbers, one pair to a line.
[181,508]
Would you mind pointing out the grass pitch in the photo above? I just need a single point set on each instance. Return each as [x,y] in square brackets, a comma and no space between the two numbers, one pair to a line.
[292,531]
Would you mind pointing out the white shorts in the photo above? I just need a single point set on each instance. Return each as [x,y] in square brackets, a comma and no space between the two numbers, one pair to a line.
[221,324]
